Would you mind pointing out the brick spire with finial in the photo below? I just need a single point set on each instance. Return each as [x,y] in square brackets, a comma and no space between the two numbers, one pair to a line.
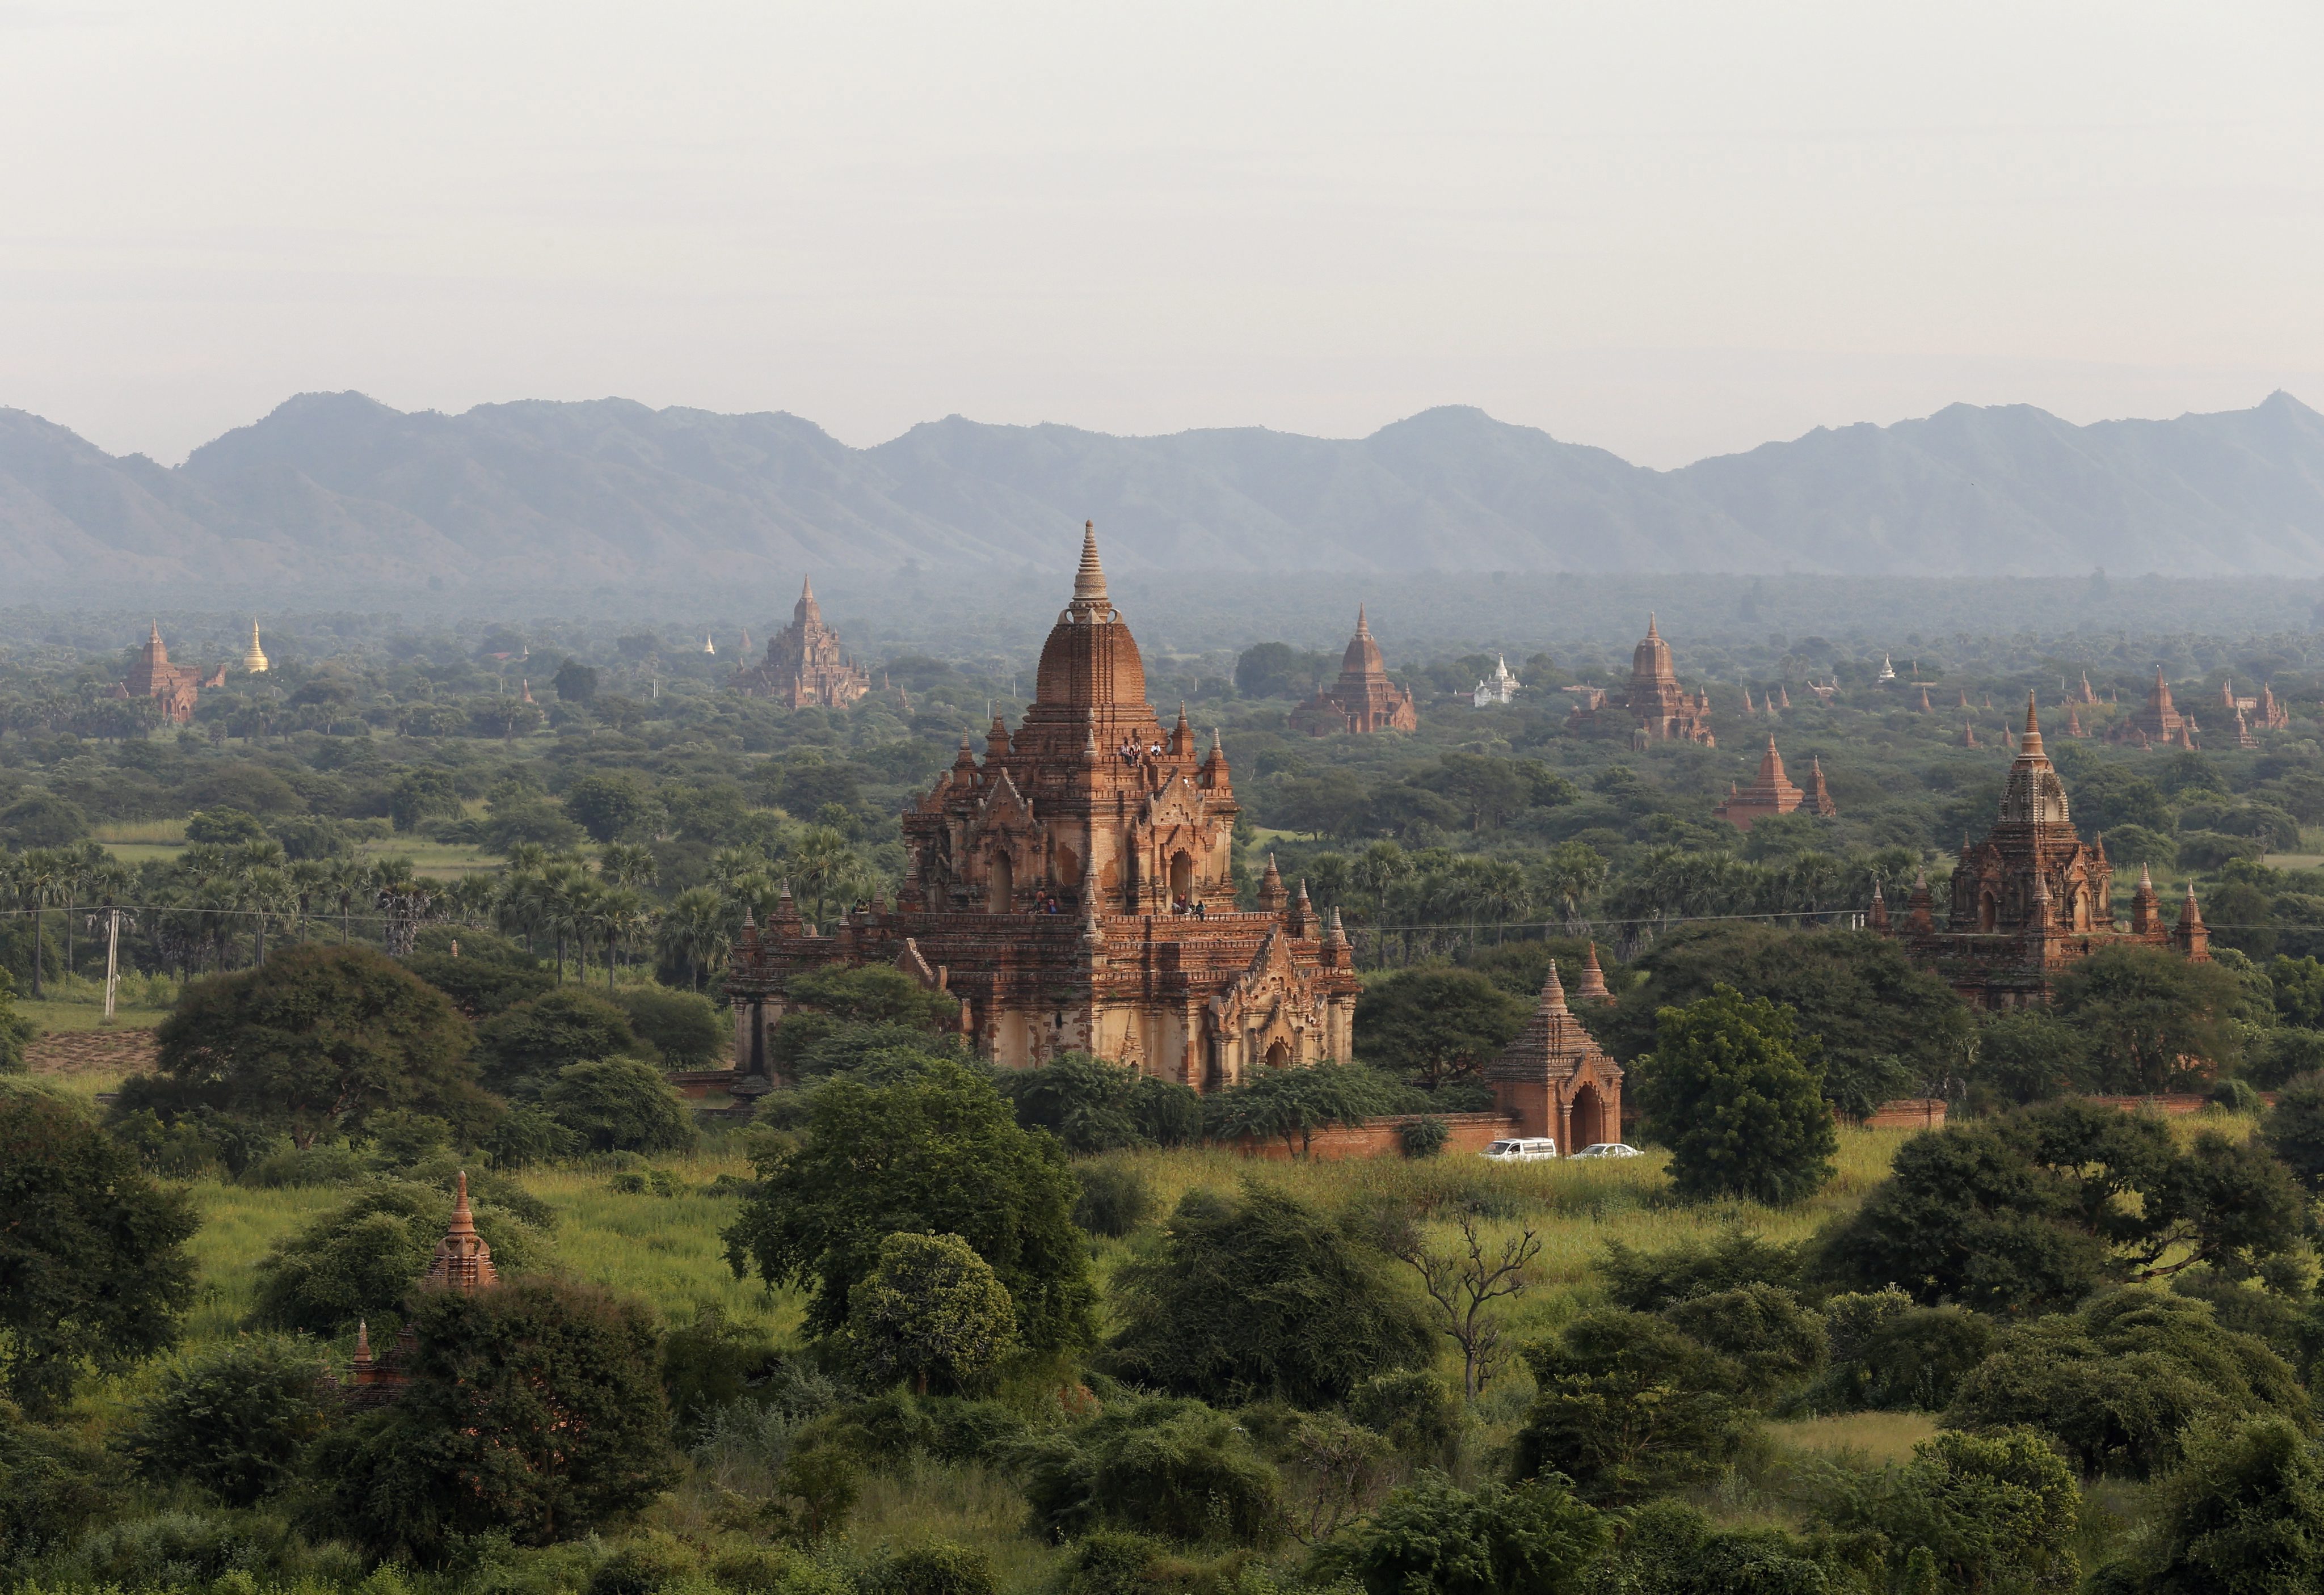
[463,1262]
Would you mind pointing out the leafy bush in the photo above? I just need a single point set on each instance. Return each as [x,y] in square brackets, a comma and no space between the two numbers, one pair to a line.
[525,1044]
[1628,1405]
[362,1259]
[684,1027]
[51,1483]
[1738,1097]
[1261,1296]
[1172,1468]
[1085,1103]
[1413,1409]
[1114,1201]
[1431,1538]
[647,1564]
[939,1567]
[235,1421]
[1423,1138]
[931,1311]
[620,1105]
[1648,1282]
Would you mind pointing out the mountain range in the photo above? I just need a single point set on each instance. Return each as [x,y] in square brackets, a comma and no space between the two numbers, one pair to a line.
[335,493]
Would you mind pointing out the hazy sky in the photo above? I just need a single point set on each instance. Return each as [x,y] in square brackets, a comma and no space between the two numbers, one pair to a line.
[1667,229]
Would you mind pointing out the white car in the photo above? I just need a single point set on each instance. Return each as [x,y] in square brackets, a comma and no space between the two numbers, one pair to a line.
[1609,1149]
[1534,1150]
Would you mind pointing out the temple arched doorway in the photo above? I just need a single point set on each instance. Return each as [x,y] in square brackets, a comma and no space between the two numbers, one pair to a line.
[1000,884]
[1586,1123]
[1278,1055]
[1181,878]
[1988,911]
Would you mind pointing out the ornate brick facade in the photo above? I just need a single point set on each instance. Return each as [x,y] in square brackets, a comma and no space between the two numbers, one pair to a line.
[1073,890]
[1556,1081]
[2032,898]
[1363,699]
[805,665]
[1657,708]
[176,687]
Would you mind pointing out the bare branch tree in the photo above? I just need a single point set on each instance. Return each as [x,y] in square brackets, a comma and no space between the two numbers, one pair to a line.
[1462,1285]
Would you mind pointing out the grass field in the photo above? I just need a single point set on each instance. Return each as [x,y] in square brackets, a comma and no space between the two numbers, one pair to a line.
[88,1016]
[137,841]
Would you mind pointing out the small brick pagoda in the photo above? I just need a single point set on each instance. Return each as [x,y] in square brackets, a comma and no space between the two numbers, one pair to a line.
[1555,1080]
[1363,699]
[804,667]
[2032,898]
[463,1262]
[1772,793]
[176,687]
[2158,724]
[1656,707]
[1075,891]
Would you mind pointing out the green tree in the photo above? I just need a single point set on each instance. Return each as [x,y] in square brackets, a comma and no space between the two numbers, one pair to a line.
[1430,1538]
[876,994]
[2294,1129]
[2147,1012]
[2243,1514]
[620,1105]
[525,1044]
[609,807]
[1991,1511]
[1436,1023]
[1669,1548]
[1855,998]
[1259,1298]
[1168,1467]
[360,1258]
[2030,1055]
[94,1272]
[575,682]
[1086,1102]
[2032,1212]
[1628,1405]
[425,793]
[488,975]
[931,1311]
[2117,1383]
[317,1039]
[682,1026]
[15,1030]
[1742,1110]
[2297,986]
[936,1153]
[235,1421]
[43,819]
[532,1410]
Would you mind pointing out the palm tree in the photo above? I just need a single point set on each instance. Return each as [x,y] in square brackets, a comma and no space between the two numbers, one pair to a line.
[308,878]
[1376,869]
[1571,874]
[262,891]
[555,888]
[694,931]
[615,911]
[43,880]
[825,869]
[627,864]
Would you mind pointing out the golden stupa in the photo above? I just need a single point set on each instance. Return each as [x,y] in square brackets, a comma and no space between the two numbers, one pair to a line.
[254,661]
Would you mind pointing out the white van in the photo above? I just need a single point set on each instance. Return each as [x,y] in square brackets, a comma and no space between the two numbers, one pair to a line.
[1532,1151]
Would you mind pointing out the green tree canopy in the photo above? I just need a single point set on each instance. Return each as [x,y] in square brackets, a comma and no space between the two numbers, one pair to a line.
[488,974]
[620,1105]
[2151,1018]
[317,1039]
[235,1421]
[525,1045]
[1172,1468]
[2032,1212]
[932,1312]
[2116,1384]
[609,807]
[1291,1104]
[1430,1538]
[938,1152]
[1259,1296]
[94,1272]
[2246,1512]
[1628,1406]
[1990,1511]
[1742,1110]
[1436,1023]
[533,1410]
[682,1026]
[1855,998]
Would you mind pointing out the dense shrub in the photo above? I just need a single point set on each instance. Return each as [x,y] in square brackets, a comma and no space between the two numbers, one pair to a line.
[524,1047]
[1628,1405]
[684,1027]
[1423,1138]
[1434,1539]
[932,1312]
[1261,1295]
[939,1567]
[1114,1201]
[1172,1468]
[235,1421]
[620,1105]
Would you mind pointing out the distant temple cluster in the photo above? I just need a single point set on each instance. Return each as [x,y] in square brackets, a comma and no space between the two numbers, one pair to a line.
[1363,699]
[1657,708]
[804,667]
[2158,724]
[177,688]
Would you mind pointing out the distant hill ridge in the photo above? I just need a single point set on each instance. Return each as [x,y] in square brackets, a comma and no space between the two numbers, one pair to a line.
[335,491]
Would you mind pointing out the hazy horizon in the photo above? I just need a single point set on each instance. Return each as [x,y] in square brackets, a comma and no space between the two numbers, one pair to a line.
[1671,231]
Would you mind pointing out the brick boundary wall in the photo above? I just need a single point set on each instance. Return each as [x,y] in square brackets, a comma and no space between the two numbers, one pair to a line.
[1379,1138]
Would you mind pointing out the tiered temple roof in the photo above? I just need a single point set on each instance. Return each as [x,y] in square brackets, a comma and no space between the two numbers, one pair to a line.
[176,687]
[1363,699]
[2158,724]
[1556,1078]
[1656,707]
[1772,793]
[804,667]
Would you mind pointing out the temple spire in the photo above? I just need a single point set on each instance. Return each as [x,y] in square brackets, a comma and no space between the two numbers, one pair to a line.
[1362,628]
[1089,581]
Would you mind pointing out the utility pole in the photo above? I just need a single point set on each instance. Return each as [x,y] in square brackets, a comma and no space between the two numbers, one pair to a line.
[112,958]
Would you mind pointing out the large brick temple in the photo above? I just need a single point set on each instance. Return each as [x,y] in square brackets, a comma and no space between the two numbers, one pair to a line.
[1073,890]
[2032,898]
[804,667]
[1363,699]
[176,687]
[1656,709]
